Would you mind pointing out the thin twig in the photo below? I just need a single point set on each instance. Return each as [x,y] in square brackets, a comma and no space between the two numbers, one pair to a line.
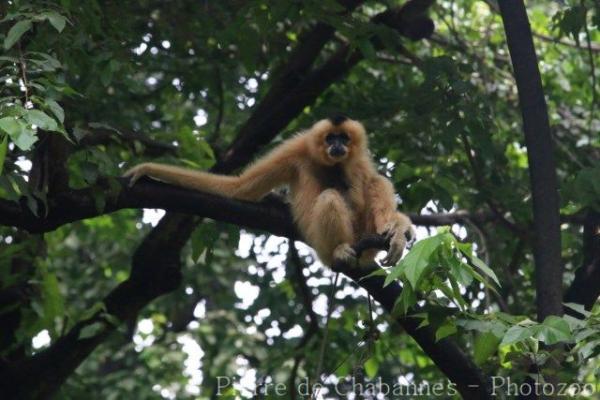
[23,68]
[480,182]
[325,336]
[588,39]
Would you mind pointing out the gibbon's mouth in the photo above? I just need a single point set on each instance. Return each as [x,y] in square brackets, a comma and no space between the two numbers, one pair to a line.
[336,152]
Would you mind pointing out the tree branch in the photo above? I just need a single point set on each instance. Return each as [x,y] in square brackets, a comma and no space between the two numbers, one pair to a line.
[297,88]
[542,166]
[447,356]
[106,136]
[270,214]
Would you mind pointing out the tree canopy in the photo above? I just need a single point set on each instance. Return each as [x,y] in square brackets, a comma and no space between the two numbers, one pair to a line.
[484,114]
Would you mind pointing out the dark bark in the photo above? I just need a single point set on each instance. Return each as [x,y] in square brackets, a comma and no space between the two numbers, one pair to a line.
[271,214]
[540,152]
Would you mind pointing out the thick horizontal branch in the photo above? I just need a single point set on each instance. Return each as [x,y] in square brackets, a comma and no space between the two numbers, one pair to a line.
[75,205]
[114,194]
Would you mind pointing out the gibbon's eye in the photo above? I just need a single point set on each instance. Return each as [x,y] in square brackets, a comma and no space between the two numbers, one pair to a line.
[344,138]
[330,139]
[337,138]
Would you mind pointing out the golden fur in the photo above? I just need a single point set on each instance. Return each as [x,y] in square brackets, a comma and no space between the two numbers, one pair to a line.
[330,218]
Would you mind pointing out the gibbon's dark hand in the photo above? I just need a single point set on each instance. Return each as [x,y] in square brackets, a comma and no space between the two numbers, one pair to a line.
[137,172]
[400,235]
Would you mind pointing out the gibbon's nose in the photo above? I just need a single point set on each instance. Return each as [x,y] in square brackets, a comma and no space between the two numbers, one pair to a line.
[337,151]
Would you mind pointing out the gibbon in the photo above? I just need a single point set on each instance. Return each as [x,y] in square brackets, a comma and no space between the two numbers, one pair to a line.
[336,194]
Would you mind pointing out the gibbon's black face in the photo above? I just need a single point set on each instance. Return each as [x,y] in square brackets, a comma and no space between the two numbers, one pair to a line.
[337,144]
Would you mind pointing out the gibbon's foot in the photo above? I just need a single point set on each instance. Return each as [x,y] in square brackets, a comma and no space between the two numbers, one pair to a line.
[344,253]
[399,236]
[137,172]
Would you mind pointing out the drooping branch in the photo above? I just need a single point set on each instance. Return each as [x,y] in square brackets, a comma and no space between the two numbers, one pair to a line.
[470,381]
[540,152]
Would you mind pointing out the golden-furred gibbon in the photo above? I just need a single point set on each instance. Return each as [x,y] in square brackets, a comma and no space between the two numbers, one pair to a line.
[336,194]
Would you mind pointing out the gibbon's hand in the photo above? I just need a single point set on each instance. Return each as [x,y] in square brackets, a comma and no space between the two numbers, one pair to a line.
[400,235]
[137,172]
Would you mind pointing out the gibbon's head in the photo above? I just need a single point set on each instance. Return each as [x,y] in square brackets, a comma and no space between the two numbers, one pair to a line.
[337,139]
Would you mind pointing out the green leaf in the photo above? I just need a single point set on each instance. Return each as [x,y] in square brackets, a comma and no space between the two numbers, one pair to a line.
[20,134]
[56,109]
[41,120]
[371,367]
[366,48]
[25,139]
[578,308]
[467,251]
[485,269]
[98,307]
[553,330]
[406,300]
[418,259]
[203,238]
[92,330]
[57,20]
[460,271]
[516,333]
[3,148]
[15,33]
[485,346]
[10,126]
[588,349]
[53,300]
[447,329]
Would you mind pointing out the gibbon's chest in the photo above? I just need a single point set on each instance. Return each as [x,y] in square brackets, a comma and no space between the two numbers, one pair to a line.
[332,177]
[335,177]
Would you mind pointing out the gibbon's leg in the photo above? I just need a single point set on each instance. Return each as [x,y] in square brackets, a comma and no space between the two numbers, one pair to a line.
[381,200]
[330,228]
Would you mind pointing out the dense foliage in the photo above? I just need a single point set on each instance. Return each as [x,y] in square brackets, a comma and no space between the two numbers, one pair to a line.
[125,307]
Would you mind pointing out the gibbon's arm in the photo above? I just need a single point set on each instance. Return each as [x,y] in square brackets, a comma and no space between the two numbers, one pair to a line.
[273,170]
[387,220]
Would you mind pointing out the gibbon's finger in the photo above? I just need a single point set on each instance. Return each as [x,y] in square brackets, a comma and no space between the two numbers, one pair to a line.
[134,175]
[344,252]
[130,172]
[134,178]
[395,251]
[389,230]
[411,237]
